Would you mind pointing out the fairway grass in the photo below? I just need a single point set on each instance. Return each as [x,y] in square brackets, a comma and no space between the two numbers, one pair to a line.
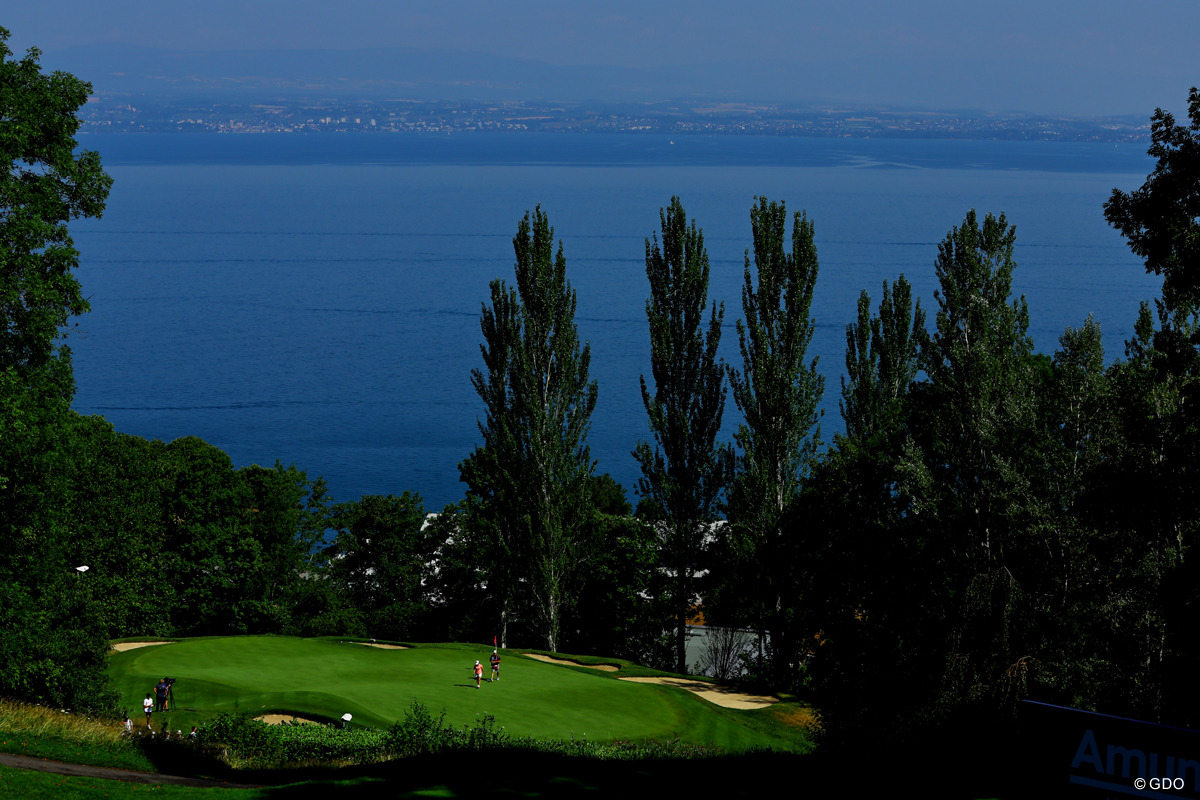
[329,678]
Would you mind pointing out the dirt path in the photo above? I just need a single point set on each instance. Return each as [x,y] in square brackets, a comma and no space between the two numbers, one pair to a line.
[713,693]
[553,660]
[110,773]
[121,647]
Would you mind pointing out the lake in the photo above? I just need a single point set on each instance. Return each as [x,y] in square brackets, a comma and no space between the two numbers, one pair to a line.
[316,299]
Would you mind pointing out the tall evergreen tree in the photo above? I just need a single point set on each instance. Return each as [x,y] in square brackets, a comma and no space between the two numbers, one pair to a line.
[534,467]
[778,392]
[685,473]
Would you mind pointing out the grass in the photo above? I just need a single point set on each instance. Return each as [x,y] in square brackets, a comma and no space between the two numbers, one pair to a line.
[328,678]
[941,772]
[530,775]
[32,785]
[514,776]
[53,734]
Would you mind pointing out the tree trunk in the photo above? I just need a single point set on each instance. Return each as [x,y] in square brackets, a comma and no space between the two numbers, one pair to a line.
[504,624]
[681,632]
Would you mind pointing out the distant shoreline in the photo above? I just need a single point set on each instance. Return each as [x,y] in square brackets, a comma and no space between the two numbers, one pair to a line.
[115,113]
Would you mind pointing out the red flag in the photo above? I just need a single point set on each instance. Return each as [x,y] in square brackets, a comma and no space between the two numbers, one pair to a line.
[494,638]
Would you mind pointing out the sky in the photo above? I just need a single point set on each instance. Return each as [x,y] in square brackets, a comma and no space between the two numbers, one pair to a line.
[1098,57]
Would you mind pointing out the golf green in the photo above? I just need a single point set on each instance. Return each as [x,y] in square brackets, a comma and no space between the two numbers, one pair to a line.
[332,678]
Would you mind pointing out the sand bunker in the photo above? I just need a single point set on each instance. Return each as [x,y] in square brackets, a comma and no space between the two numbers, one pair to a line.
[553,660]
[718,695]
[276,719]
[121,647]
[384,646]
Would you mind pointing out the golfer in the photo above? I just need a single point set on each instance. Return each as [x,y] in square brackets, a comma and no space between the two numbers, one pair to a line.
[478,675]
[148,706]
[495,667]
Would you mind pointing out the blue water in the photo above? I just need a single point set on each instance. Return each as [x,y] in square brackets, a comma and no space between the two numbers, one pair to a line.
[316,299]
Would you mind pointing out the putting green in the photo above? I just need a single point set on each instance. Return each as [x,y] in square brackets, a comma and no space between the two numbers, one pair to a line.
[331,678]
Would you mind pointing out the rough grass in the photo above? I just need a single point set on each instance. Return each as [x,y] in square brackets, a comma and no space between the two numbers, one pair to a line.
[54,734]
[21,718]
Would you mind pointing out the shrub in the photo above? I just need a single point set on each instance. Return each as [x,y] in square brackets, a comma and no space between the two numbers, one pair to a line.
[246,738]
[418,733]
[253,743]
[322,744]
[484,735]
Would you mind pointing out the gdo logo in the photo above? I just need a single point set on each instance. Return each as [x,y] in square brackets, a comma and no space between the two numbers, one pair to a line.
[1159,783]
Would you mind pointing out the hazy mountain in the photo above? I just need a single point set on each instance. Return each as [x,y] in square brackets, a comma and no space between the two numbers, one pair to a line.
[447,76]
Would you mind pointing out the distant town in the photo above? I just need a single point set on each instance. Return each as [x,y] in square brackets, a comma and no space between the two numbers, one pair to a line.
[126,113]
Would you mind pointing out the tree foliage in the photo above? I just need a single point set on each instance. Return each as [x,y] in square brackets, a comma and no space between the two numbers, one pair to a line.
[620,606]
[51,649]
[868,577]
[1145,497]
[778,389]
[533,469]
[1161,220]
[965,471]
[881,364]
[1147,489]
[686,471]
[778,392]
[46,184]
[382,557]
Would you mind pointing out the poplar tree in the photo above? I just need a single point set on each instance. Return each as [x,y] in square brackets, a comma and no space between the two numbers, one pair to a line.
[881,363]
[971,467]
[685,472]
[979,407]
[866,573]
[778,392]
[881,366]
[534,467]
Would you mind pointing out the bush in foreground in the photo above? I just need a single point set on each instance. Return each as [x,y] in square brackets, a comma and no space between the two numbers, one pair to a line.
[251,743]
